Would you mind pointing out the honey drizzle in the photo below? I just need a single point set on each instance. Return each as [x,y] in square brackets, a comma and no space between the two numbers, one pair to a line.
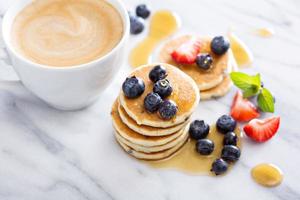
[189,161]
[241,52]
[267,175]
[163,24]
[265,32]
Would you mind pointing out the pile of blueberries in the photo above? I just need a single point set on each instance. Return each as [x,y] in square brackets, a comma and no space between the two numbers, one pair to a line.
[134,87]
[226,125]
[219,46]
[137,21]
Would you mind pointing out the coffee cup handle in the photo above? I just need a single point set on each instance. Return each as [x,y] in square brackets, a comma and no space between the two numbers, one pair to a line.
[9,83]
[5,82]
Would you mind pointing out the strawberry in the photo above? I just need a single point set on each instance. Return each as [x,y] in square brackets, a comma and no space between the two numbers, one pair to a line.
[187,52]
[243,109]
[262,130]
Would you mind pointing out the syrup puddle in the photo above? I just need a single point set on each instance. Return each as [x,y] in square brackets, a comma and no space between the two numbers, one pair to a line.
[189,161]
[163,24]
[267,175]
[241,52]
[264,32]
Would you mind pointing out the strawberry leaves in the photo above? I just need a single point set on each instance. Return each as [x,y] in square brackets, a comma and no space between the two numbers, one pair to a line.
[251,86]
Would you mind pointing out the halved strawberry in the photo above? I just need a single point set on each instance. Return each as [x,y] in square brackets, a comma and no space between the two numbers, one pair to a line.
[243,109]
[187,52]
[262,130]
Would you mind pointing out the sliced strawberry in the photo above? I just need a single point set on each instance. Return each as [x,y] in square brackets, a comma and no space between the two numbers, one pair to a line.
[262,130]
[243,109]
[187,52]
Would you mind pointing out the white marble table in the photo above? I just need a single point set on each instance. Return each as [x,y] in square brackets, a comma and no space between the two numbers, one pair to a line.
[49,154]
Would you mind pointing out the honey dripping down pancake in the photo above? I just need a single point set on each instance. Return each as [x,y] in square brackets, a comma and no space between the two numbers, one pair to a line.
[151,156]
[145,147]
[185,94]
[148,130]
[136,137]
[153,149]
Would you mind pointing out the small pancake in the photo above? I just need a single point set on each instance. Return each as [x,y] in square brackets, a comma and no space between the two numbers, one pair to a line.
[223,88]
[152,156]
[135,137]
[185,94]
[218,91]
[153,149]
[148,130]
[204,79]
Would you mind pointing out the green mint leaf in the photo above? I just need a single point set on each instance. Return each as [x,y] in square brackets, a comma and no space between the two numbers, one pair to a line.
[256,80]
[249,93]
[249,84]
[241,80]
[265,101]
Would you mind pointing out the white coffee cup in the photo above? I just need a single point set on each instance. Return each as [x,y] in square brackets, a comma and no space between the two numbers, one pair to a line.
[66,88]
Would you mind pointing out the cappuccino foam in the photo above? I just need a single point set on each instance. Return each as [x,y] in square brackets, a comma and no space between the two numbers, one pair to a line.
[66,32]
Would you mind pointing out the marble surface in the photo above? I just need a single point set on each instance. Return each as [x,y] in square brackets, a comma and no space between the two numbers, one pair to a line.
[49,154]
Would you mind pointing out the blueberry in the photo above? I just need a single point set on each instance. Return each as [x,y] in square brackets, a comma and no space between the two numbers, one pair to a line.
[205,146]
[133,87]
[163,88]
[136,25]
[231,153]
[198,129]
[204,61]
[157,73]
[152,102]
[219,166]
[230,138]
[220,45]
[167,110]
[143,11]
[226,124]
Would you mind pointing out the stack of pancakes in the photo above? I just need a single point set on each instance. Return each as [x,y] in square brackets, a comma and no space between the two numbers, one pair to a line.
[145,135]
[212,83]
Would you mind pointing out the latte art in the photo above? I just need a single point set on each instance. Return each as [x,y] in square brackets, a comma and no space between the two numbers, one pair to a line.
[66,32]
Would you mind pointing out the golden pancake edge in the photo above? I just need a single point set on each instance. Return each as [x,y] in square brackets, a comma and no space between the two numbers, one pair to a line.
[185,94]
